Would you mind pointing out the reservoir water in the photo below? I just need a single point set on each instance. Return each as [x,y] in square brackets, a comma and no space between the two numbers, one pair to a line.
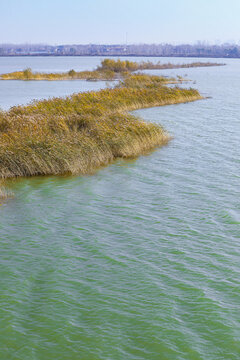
[140,261]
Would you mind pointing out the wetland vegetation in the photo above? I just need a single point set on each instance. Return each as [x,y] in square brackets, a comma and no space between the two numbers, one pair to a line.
[79,133]
[109,69]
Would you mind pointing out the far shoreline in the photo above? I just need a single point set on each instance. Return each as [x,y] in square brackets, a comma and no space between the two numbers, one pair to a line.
[122,55]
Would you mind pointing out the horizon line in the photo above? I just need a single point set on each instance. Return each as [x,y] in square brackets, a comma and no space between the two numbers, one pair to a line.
[198,42]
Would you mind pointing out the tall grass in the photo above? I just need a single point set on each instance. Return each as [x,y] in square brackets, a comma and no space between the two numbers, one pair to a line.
[108,70]
[82,132]
[126,65]
[28,74]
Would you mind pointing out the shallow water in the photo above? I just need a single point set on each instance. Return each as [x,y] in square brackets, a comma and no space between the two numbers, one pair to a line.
[140,260]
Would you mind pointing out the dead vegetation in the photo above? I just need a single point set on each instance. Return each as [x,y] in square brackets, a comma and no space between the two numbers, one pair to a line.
[82,132]
[109,69]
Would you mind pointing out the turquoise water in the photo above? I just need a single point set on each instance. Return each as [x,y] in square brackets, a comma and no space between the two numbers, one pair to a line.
[141,260]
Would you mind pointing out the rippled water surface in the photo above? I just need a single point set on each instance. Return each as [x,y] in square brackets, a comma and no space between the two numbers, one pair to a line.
[141,260]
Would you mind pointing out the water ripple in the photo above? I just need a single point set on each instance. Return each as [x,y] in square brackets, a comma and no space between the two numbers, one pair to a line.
[141,260]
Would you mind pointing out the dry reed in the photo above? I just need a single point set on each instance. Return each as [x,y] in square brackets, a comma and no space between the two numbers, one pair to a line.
[108,70]
[82,132]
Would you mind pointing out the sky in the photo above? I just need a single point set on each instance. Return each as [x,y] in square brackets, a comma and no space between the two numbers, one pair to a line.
[119,21]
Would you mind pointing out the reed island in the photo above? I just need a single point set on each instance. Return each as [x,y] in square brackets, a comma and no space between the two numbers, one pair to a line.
[82,132]
[108,70]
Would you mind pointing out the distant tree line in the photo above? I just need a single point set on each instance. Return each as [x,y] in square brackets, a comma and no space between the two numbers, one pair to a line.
[184,50]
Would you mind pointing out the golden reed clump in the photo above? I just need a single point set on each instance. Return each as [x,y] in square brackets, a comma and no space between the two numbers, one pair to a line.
[82,132]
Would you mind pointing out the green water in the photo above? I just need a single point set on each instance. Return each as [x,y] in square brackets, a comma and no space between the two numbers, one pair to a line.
[139,261]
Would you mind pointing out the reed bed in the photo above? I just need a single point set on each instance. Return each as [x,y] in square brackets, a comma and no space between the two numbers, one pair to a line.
[28,74]
[82,132]
[126,65]
[108,70]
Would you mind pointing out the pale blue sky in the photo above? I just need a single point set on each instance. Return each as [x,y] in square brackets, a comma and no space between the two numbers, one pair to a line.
[108,21]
